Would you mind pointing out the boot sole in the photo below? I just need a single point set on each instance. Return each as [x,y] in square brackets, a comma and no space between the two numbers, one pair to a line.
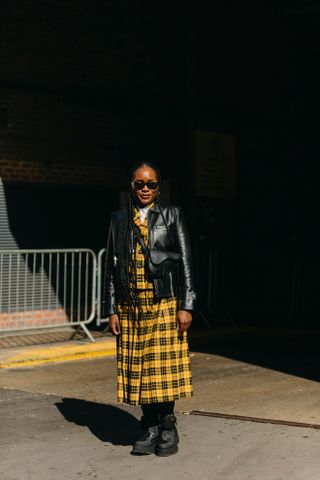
[166,453]
[143,451]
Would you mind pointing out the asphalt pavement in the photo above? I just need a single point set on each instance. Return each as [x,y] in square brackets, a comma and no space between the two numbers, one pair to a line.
[60,419]
[54,438]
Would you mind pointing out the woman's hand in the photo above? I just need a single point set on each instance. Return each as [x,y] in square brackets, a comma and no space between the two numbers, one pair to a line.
[184,319]
[114,324]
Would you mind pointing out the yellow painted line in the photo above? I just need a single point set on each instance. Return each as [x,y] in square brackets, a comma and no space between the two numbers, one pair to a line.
[59,353]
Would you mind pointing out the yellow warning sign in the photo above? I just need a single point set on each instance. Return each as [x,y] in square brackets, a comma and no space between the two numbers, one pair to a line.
[216,164]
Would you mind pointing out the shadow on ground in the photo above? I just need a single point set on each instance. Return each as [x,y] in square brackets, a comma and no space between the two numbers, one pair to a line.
[295,353]
[108,423]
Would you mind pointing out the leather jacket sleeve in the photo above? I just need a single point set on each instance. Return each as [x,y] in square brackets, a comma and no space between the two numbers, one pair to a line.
[187,295]
[108,284]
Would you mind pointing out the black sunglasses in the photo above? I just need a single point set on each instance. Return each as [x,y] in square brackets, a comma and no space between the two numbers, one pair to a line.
[140,184]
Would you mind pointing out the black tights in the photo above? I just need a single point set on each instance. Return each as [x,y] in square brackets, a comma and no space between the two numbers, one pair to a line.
[155,412]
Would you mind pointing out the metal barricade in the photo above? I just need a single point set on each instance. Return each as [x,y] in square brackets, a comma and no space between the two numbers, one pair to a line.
[54,288]
[47,289]
[244,285]
[255,286]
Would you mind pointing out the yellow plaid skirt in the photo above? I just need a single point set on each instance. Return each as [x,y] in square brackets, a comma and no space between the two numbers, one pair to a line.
[153,363]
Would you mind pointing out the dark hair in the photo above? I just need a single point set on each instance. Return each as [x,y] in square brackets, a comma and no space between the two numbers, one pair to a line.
[136,167]
[127,239]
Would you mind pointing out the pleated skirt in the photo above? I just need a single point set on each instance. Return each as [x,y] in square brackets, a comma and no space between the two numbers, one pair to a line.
[153,363]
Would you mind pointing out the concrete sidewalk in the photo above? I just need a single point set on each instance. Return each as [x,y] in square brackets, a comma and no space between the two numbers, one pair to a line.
[60,421]
[233,374]
[47,436]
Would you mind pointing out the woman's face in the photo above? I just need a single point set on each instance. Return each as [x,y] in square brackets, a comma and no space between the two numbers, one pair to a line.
[145,185]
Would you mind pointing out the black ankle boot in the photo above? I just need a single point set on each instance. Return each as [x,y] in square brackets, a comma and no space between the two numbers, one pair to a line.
[145,445]
[169,438]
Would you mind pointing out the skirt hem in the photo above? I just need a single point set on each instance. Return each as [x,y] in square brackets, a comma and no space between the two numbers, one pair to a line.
[168,399]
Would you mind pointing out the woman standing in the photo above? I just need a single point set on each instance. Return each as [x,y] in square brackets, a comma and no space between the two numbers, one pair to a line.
[149,296]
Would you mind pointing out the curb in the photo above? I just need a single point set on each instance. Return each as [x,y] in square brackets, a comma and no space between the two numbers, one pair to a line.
[69,351]
[33,355]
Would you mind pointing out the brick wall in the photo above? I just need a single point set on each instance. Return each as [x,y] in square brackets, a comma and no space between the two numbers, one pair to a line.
[86,89]
[63,42]
[84,84]
[111,45]
[61,173]
[47,140]
[35,319]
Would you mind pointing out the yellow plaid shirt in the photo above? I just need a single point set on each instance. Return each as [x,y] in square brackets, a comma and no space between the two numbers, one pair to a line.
[142,282]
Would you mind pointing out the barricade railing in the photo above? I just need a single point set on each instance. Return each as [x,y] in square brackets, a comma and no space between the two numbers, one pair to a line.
[47,289]
[59,287]
[257,286]
[239,285]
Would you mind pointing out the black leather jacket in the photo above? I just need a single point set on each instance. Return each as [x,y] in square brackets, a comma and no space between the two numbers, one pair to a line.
[178,283]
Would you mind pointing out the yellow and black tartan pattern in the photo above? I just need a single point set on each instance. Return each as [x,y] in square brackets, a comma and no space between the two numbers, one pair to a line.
[153,363]
[140,282]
